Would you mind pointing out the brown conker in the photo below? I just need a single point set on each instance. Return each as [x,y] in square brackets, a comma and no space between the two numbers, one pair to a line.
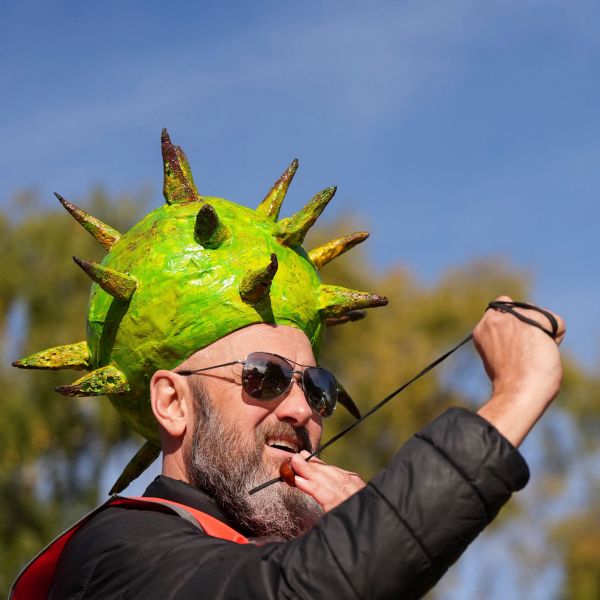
[287,473]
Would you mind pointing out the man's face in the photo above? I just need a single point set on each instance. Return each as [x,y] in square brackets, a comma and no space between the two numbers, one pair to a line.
[237,442]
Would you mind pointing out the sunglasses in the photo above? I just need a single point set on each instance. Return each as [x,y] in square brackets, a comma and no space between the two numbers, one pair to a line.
[267,376]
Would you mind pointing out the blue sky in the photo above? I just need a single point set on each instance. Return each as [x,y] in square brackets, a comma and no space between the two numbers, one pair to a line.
[458,129]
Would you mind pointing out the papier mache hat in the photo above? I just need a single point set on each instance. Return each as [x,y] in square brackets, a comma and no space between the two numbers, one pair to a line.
[192,271]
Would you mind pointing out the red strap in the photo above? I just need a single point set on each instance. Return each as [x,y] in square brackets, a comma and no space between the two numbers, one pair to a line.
[35,580]
[210,525]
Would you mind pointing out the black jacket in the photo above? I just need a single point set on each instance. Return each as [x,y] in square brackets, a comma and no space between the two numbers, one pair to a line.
[393,539]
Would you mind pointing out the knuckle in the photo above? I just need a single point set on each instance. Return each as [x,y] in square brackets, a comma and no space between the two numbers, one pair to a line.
[477,332]
[495,317]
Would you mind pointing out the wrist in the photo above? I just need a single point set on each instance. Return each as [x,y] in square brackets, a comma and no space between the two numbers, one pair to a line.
[514,413]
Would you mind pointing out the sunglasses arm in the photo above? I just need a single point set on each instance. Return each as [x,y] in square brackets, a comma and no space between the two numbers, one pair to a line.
[194,371]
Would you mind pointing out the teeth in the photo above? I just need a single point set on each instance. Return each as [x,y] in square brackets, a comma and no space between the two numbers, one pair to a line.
[291,446]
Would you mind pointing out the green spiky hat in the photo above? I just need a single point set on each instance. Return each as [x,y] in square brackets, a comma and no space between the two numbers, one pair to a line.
[192,271]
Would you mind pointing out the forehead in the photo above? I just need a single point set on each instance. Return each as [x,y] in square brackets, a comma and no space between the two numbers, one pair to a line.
[286,341]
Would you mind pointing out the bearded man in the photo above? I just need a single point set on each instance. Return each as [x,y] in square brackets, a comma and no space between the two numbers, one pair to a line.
[230,413]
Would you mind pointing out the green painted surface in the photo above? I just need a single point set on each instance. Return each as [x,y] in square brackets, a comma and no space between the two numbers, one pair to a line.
[291,231]
[105,234]
[188,274]
[271,204]
[187,296]
[71,356]
[106,380]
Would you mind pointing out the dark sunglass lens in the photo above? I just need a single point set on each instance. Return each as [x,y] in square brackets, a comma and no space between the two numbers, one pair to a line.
[266,376]
[321,389]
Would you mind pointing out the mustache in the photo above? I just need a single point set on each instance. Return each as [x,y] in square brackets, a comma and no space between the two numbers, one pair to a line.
[285,430]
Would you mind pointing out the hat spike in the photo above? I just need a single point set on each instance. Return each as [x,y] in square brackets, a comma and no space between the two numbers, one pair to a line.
[291,231]
[71,356]
[336,301]
[106,380]
[142,459]
[256,284]
[104,234]
[115,283]
[208,230]
[327,252]
[178,182]
[271,204]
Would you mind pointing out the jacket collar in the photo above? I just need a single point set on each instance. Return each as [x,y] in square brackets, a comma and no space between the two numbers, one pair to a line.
[184,493]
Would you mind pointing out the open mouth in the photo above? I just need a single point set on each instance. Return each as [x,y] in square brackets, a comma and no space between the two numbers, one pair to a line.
[286,445]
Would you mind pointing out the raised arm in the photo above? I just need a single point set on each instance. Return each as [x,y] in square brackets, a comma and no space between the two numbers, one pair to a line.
[523,364]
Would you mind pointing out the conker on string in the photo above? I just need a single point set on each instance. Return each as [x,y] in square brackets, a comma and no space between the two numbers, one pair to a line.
[287,473]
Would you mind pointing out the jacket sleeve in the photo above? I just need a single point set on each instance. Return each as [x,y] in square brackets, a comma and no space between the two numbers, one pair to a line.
[396,537]
[393,539]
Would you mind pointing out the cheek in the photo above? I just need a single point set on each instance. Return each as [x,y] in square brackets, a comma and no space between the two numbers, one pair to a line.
[245,417]
[234,405]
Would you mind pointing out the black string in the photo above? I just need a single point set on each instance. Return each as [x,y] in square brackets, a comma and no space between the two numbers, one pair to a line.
[504,306]
[509,307]
[337,436]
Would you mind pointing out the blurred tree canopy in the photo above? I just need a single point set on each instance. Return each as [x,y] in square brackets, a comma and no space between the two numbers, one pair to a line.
[55,449]
[579,536]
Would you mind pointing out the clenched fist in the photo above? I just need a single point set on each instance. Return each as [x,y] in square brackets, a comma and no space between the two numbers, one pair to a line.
[523,364]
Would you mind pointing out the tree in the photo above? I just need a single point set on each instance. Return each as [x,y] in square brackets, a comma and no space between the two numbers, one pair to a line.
[55,449]
[579,537]
[375,356]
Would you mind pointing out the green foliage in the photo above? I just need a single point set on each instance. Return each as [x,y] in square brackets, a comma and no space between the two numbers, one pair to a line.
[579,537]
[582,391]
[375,356]
[54,449]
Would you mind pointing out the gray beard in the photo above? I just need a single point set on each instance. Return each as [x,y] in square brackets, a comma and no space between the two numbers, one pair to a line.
[226,464]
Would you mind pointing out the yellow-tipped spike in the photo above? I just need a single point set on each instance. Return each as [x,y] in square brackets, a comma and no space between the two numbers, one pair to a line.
[353,315]
[178,183]
[72,356]
[105,234]
[209,231]
[336,301]
[106,380]
[142,459]
[256,284]
[271,204]
[291,231]
[327,252]
[115,283]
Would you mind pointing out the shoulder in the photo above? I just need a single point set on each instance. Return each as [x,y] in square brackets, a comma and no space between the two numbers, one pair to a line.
[122,548]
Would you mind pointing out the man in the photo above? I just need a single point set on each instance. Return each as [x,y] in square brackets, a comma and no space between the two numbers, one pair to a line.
[234,410]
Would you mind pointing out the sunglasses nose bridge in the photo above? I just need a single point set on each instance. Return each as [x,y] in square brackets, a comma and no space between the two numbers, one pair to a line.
[298,377]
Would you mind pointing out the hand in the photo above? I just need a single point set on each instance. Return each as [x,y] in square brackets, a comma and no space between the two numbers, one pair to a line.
[523,364]
[326,484]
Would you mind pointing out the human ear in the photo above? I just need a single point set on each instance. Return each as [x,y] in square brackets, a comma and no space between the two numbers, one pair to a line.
[170,398]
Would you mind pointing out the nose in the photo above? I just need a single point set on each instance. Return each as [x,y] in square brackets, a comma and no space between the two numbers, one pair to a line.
[294,408]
